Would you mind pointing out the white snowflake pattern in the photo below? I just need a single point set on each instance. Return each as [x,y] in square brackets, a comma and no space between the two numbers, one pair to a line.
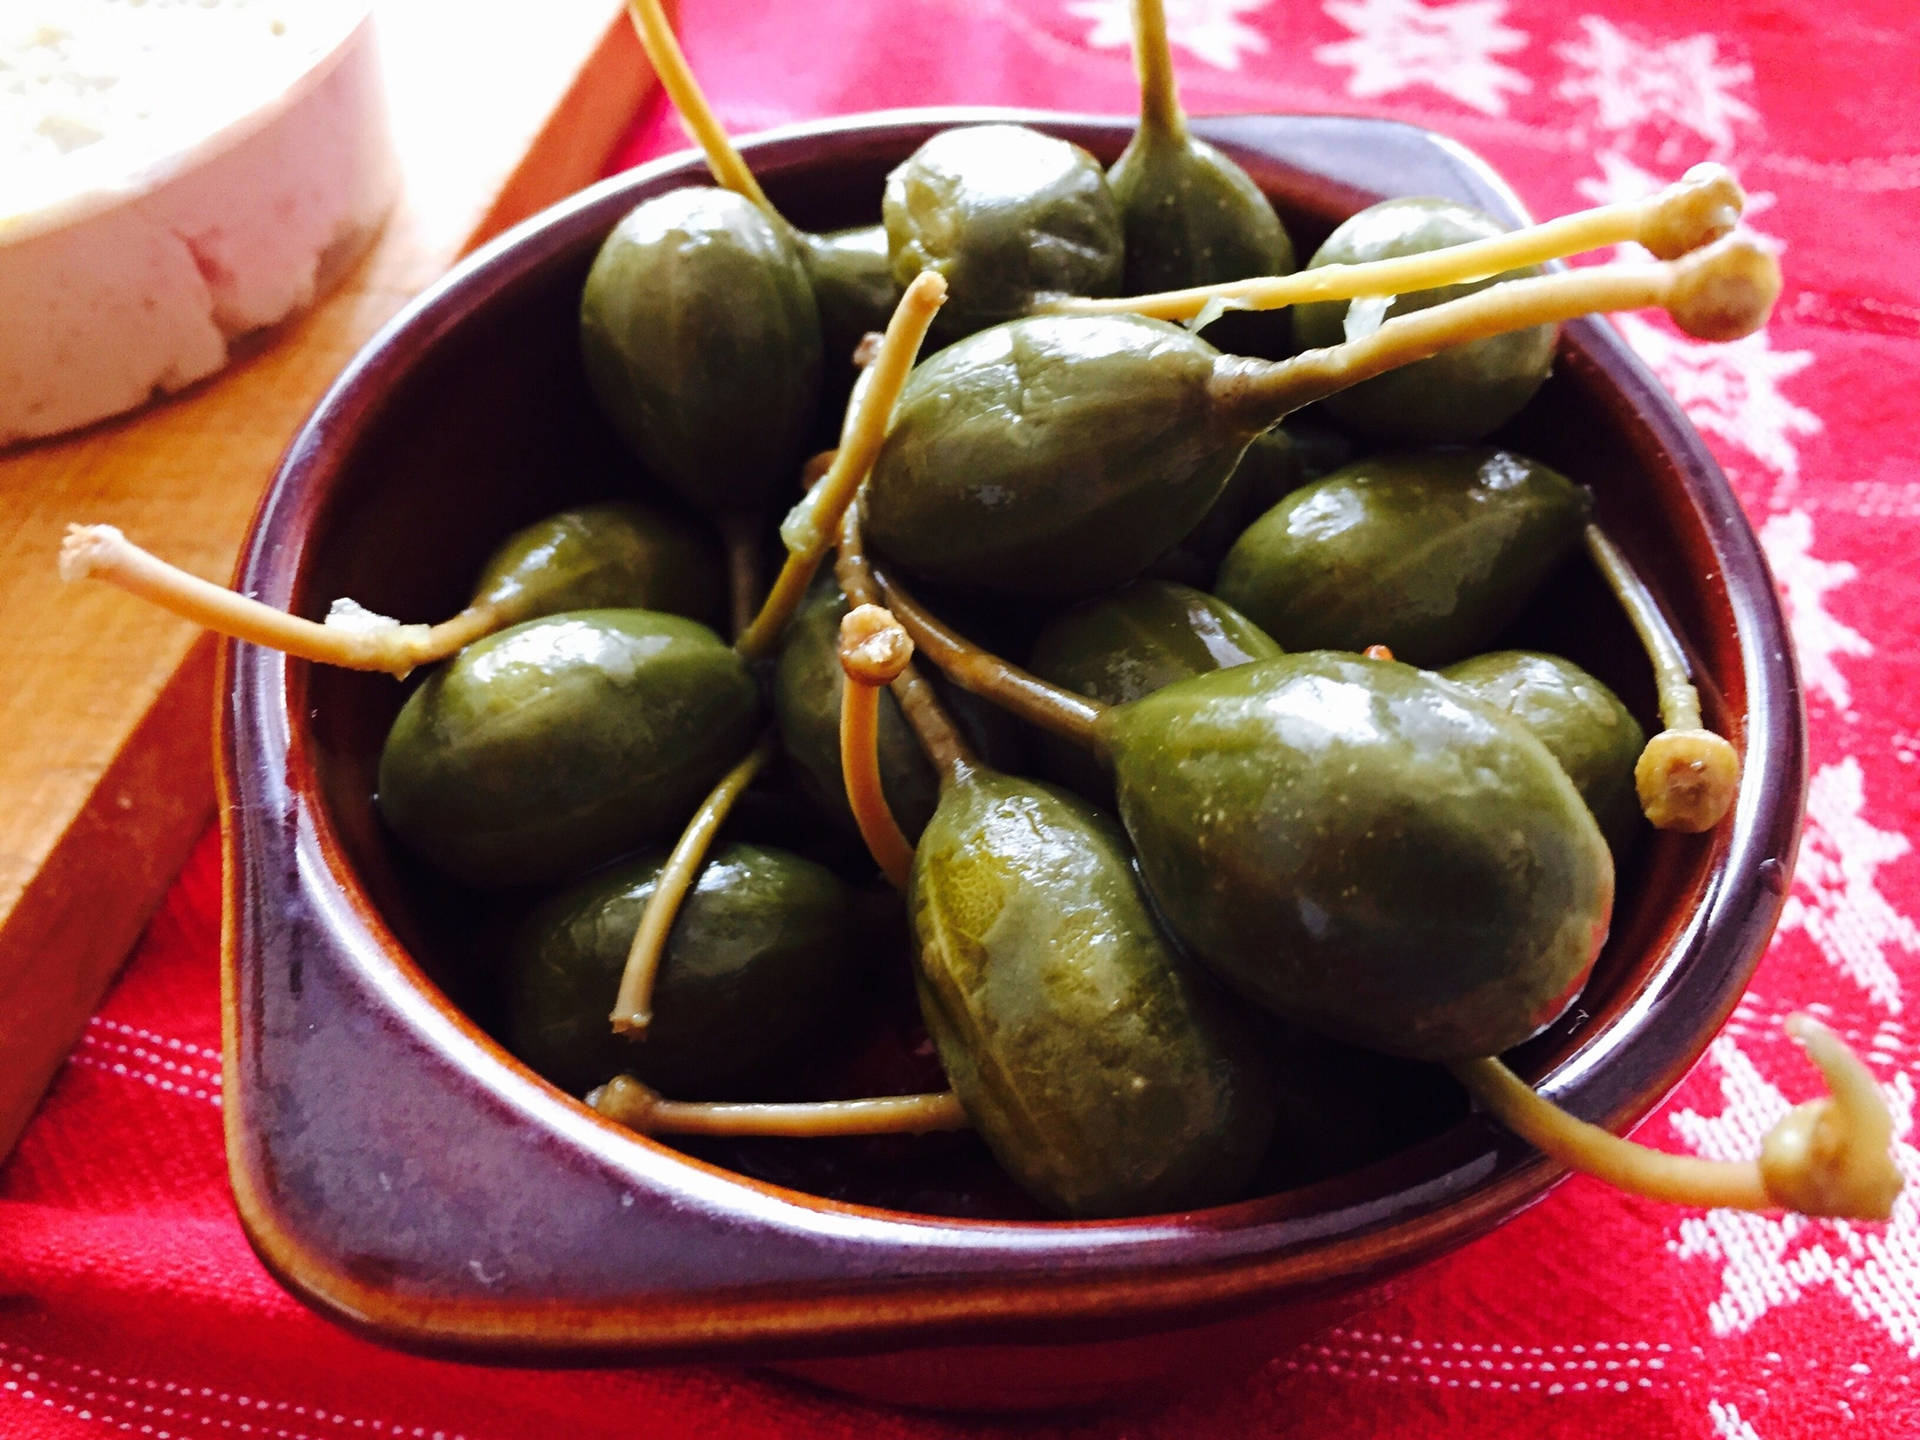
[1397,44]
[1727,1424]
[1684,83]
[1804,581]
[1836,893]
[1768,1262]
[1731,390]
[1620,181]
[1211,30]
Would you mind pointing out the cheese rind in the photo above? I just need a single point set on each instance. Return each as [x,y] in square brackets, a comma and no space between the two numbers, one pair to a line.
[146,294]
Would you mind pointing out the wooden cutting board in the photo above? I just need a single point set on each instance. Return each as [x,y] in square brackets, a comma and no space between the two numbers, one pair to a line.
[105,703]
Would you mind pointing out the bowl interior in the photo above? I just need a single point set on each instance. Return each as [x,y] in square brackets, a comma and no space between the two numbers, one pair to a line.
[470,417]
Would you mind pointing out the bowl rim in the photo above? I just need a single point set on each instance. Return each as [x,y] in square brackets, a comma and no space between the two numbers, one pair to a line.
[1106,1275]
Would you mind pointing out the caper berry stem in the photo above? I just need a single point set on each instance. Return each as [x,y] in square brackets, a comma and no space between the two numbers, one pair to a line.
[810,526]
[625,1100]
[1700,207]
[676,78]
[354,639]
[945,747]
[939,737]
[1718,293]
[1830,1157]
[1160,115]
[874,650]
[850,565]
[1070,716]
[1679,701]
[633,1005]
[817,464]
[1687,775]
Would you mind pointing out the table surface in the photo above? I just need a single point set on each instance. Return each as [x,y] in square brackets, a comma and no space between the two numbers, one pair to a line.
[128,1298]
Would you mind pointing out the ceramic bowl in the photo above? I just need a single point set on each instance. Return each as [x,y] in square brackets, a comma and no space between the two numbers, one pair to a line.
[403,1174]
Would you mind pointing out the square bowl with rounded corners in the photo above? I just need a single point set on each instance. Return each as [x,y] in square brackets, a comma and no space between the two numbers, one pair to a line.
[399,1171]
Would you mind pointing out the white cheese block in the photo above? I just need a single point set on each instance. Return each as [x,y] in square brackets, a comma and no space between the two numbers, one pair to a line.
[152,214]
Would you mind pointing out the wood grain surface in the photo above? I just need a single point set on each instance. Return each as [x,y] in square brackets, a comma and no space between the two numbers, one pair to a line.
[105,703]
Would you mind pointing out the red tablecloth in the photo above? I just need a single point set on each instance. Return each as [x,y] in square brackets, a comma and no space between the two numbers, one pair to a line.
[129,1300]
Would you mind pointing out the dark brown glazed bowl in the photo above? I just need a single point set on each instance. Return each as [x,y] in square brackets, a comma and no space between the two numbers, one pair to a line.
[400,1172]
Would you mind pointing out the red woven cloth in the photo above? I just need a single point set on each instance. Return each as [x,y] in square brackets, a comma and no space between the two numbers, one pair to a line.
[129,1300]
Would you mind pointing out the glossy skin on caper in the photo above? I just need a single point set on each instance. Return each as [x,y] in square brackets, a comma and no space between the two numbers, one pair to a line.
[756,961]
[1280,460]
[1362,847]
[1146,636]
[1430,553]
[701,342]
[1461,394]
[1582,722]
[558,743]
[1267,471]
[1105,1076]
[853,286]
[1003,214]
[1129,644]
[620,555]
[1055,456]
[1192,216]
